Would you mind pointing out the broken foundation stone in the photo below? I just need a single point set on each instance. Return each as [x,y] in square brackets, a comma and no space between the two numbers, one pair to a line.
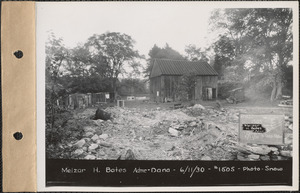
[101,114]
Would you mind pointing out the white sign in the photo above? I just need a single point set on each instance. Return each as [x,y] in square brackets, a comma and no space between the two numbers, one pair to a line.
[261,129]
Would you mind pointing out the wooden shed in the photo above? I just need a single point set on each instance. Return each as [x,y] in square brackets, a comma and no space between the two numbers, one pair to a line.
[167,74]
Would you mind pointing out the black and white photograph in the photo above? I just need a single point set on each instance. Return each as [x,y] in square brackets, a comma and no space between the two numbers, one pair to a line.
[156,85]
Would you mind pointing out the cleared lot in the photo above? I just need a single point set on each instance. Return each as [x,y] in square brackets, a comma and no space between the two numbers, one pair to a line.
[150,131]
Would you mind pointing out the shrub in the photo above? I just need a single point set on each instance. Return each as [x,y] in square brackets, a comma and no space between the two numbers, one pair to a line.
[186,86]
[64,130]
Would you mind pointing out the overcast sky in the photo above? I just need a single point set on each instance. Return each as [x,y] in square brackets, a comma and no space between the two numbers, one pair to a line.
[176,23]
[148,23]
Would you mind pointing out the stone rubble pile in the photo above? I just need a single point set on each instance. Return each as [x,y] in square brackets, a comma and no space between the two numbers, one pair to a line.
[195,133]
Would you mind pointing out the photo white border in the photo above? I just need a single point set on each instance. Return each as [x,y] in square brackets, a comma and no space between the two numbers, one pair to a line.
[40,66]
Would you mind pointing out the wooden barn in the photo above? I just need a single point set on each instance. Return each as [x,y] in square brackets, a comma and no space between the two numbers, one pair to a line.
[167,74]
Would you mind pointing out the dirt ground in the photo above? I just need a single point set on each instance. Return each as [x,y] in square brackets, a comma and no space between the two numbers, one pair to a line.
[157,131]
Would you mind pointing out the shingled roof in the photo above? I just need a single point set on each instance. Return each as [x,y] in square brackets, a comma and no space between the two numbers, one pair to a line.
[180,67]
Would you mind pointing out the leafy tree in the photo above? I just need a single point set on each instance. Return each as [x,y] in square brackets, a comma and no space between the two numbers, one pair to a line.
[186,87]
[262,37]
[116,49]
[288,77]
[132,86]
[274,42]
[56,55]
[224,55]
[78,66]
[195,54]
[86,72]
[161,53]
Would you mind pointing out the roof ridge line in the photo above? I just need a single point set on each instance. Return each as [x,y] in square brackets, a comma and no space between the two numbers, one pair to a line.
[170,59]
[178,67]
[180,60]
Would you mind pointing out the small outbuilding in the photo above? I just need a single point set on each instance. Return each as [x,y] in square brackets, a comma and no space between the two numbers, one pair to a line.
[80,100]
[166,76]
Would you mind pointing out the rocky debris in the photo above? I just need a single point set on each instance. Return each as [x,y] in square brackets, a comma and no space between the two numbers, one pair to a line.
[198,106]
[95,137]
[193,124]
[214,130]
[84,148]
[260,150]
[80,143]
[90,157]
[101,114]
[205,158]
[188,127]
[265,158]
[286,103]
[89,134]
[286,153]
[129,155]
[98,122]
[177,154]
[273,149]
[253,156]
[105,144]
[101,153]
[98,132]
[218,105]
[87,139]
[89,129]
[171,148]
[242,157]
[173,132]
[103,136]
[78,152]
[93,147]
[207,139]
[288,138]
[199,134]
[178,124]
